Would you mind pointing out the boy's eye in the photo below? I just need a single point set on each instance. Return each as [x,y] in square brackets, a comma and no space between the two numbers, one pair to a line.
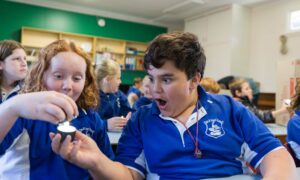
[151,79]
[167,80]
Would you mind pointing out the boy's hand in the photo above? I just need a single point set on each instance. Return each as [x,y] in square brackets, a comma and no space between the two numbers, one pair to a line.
[83,151]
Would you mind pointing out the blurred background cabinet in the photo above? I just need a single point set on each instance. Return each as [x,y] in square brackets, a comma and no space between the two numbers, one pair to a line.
[128,54]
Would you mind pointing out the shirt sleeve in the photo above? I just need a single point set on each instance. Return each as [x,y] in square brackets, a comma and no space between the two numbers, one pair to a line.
[101,137]
[12,134]
[130,150]
[264,115]
[259,141]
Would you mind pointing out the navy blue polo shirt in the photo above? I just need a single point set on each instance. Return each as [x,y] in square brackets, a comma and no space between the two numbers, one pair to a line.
[112,105]
[293,129]
[43,162]
[229,135]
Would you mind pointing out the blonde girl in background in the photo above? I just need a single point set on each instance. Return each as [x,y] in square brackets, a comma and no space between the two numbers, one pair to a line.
[66,69]
[114,106]
[210,85]
[13,69]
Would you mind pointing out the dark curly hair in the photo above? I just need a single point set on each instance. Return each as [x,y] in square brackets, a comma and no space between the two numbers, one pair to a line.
[182,48]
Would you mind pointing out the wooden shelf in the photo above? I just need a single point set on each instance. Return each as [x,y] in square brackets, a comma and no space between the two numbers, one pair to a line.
[98,48]
[37,38]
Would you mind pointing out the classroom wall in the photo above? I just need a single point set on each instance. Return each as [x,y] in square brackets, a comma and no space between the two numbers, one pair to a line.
[225,38]
[245,41]
[15,15]
[216,45]
[268,23]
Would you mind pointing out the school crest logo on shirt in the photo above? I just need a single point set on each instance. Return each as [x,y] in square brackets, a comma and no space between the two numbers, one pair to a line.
[87,131]
[214,128]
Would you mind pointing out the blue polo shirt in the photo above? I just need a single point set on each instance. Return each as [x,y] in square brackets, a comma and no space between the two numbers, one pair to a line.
[141,102]
[135,90]
[113,104]
[293,129]
[229,135]
[43,162]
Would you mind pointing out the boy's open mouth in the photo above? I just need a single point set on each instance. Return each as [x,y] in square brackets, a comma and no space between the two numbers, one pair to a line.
[161,103]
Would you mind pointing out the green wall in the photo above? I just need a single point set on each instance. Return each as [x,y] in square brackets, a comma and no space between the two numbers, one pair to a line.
[14,16]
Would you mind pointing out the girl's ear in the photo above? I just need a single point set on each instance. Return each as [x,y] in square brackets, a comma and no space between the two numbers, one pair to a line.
[237,93]
[106,79]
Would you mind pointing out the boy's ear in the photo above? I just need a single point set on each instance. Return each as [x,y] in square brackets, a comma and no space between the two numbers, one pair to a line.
[195,81]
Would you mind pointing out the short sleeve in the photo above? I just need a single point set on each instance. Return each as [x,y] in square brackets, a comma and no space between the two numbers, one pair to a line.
[12,134]
[101,137]
[259,141]
[130,147]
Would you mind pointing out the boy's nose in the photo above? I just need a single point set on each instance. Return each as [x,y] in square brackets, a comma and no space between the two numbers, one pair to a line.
[156,87]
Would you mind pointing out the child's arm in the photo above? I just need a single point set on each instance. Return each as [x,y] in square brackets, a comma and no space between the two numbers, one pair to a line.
[49,106]
[278,164]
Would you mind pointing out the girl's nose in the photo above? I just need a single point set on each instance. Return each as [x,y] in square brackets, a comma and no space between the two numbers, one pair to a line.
[24,62]
[67,84]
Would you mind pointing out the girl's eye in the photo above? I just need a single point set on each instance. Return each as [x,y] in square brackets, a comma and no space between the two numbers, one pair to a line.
[77,78]
[57,76]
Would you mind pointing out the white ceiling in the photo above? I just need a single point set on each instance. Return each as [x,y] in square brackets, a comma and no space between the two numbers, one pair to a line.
[169,13]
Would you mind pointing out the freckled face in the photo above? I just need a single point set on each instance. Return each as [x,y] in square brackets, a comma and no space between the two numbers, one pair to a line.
[66,74]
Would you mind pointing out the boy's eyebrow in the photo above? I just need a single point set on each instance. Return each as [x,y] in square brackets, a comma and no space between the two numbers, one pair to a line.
[167,75]
[163,75]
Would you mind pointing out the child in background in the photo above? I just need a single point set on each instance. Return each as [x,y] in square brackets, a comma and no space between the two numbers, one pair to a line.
[13,67]
[293,127]
[210,85]
[187,133]
[146,97]
[242,92]
[64,68]
[114,106]
[134,92]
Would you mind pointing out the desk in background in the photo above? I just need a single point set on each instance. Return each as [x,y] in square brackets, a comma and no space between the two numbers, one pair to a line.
[279,131]
[114,137]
